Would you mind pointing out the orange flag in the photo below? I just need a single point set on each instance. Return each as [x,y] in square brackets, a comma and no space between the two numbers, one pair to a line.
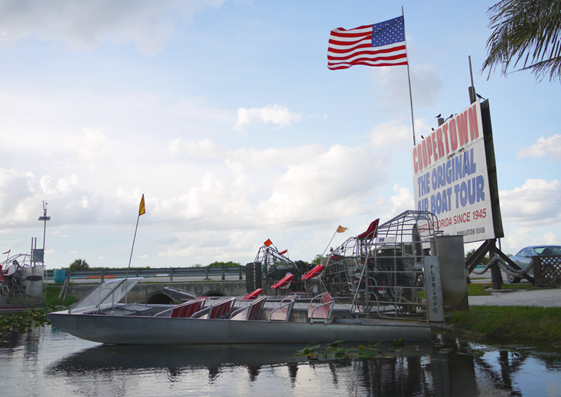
[283,252]
[268,242]
[142,209]
[342,229]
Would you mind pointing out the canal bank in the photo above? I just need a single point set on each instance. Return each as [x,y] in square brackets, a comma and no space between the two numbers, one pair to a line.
[511,316]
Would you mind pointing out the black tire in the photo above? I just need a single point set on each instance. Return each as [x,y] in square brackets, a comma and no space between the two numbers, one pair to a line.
[512,279]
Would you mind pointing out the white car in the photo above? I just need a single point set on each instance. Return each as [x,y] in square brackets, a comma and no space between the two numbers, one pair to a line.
[524,257]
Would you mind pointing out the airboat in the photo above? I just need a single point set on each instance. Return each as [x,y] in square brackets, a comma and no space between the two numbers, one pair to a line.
[21,283]
[373,287]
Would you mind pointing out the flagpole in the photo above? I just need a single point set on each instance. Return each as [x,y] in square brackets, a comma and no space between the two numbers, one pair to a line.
[328,244]
[409,78]
[140,212]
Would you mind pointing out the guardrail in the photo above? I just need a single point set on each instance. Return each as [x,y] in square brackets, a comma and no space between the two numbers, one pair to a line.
[207,273]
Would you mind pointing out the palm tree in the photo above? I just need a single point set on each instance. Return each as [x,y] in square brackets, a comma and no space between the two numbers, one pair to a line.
[525,32]
[79,264]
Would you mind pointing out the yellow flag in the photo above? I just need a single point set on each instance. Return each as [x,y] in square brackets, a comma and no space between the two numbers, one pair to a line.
[142,209]
[342,229]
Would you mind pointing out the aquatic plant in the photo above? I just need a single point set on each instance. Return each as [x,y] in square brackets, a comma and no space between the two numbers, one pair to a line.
[334,352]
[23,320]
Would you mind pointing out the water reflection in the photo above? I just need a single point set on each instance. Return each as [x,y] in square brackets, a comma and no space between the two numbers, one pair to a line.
[48,362]
[176,359]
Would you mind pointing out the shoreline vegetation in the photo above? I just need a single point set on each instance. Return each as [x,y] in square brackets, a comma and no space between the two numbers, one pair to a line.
[506,324]
[23,320]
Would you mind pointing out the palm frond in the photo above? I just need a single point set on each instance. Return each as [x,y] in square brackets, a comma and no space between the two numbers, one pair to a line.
[527,33]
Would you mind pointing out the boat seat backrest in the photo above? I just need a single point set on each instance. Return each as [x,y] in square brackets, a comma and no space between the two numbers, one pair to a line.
[282,313]
[188,309]
[321,311]
[184,310]
[250,312]
[256,308]
[221,309]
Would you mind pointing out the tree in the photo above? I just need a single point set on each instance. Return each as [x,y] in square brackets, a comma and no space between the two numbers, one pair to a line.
[317,260]
[484,261]
[226,264]
[79,264]
[525,32]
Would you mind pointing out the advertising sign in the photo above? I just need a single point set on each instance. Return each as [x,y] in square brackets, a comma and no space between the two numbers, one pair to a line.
[450,177]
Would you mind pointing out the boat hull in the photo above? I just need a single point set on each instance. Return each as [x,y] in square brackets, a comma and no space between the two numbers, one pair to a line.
[154,330]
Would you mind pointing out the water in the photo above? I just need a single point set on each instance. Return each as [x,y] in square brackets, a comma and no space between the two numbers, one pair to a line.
[49,362]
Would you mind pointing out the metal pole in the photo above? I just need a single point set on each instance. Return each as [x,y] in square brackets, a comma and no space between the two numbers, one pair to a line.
[130,259]
[44,218]
[471,89]
[328,244]
[409,79]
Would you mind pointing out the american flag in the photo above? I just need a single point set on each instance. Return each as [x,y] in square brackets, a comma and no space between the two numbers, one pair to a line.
[381,44]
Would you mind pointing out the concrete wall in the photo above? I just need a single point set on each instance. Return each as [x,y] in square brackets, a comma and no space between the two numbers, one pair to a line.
[145,291]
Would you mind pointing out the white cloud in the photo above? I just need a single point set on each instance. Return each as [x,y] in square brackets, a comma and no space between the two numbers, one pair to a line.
[279,115]
[394,133]
[550,146]
[283,157]
[402,201]
[393,83]
[17,190]
[148,24]
[332,184]
[551,238]
[426,85]
[203,148]
[389,134]
[257,158]
[536,203]
[519,238]
[91,145]
[258,187]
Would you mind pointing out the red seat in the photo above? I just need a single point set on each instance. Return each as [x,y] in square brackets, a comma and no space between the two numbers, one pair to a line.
[371,232]
[253,295]
[184,310]
[313,273]
[284,283]
[250,312]
[218,310]
[321,311]
[282,313]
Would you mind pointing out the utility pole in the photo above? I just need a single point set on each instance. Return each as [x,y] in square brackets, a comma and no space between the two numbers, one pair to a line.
[44,218]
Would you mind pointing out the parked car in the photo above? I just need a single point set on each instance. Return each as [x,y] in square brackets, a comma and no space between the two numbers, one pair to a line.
[524,257]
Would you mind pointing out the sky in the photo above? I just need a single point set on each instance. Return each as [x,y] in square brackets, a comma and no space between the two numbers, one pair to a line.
[223,113]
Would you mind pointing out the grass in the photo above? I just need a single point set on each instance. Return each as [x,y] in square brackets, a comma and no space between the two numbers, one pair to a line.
[53,291]
[475,289]
[512,324]
[508,324]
